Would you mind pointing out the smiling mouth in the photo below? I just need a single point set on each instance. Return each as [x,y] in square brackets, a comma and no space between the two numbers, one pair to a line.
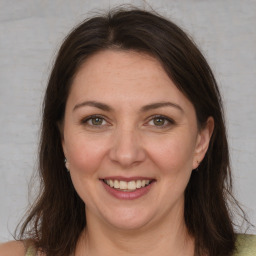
[127,186]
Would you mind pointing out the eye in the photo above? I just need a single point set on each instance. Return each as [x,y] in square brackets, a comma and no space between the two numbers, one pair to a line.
[160,121]
[94,121]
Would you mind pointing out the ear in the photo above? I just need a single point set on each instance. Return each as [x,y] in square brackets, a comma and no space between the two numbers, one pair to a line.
[64,149]
[203,141]
[61,131]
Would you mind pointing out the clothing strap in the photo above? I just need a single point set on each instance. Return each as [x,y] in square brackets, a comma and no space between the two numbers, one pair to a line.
[31,251]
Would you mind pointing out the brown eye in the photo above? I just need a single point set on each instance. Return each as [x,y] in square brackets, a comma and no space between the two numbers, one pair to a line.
[158,121]
[96,121]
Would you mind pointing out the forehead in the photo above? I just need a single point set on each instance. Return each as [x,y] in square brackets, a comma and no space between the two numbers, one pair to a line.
[120,64]
[118,76]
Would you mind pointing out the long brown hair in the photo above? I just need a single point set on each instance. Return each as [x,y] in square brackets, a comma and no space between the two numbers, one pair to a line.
[57,217]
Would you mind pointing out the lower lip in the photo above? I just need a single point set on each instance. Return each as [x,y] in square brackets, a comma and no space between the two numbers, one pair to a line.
[139,192]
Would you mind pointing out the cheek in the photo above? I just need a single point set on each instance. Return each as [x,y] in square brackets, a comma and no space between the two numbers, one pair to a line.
[173,160]
[173,154]
[85,154]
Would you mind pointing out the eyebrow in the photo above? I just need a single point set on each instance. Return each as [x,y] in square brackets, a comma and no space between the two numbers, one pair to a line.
[145,108]
[95,104]
[160,105]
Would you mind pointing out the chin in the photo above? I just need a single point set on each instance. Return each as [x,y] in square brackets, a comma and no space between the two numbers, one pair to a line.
[128,219]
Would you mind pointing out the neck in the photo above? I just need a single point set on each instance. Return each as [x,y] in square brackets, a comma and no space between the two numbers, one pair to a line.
[169,237]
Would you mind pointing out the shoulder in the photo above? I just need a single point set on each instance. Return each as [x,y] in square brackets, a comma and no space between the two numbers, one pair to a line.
[246,245]
[13,248]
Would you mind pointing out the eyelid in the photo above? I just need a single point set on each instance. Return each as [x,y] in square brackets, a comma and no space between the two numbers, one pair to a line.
[170,120]
[85,120]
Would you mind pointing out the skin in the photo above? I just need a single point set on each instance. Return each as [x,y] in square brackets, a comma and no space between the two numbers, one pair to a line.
[12,248]
[16,248]
[128,141]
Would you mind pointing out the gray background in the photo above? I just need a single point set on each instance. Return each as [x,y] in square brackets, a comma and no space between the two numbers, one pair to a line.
[32,30]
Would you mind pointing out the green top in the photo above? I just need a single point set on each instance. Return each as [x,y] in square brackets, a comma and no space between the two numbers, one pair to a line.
[31,251]
[246,246]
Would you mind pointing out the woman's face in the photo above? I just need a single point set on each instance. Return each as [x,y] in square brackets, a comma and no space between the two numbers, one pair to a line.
[126,125]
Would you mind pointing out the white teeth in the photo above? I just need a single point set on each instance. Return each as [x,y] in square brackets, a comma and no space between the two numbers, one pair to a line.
[124,185]
[131,185]
[116,184]
[111,183]
[138,184]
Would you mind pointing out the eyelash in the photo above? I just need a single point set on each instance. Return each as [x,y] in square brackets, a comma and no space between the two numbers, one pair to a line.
[166,119]
[87,119]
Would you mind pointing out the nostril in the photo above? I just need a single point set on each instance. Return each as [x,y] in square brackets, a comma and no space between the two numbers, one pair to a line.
[126,150]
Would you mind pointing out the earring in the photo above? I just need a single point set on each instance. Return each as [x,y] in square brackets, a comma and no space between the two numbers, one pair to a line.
[66,164]
[198,163]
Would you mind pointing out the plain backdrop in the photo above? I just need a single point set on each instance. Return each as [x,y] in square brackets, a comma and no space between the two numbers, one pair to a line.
[31,32]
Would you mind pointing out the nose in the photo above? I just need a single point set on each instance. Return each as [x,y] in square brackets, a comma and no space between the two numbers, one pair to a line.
[127,149]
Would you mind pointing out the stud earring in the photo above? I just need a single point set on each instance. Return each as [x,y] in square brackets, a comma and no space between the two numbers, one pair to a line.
[66,164]
[198,163]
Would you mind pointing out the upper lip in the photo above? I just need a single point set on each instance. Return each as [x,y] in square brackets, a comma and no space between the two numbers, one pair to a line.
[126,178]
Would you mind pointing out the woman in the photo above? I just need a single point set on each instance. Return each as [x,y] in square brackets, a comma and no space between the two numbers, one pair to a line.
[133,156]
